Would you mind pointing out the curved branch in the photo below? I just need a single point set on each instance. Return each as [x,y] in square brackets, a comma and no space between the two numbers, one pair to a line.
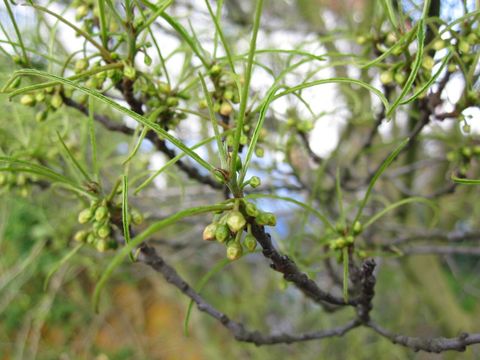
[435,345]
[149,256]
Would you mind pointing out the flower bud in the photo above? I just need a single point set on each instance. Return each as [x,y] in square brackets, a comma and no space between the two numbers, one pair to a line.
[101,213]
[84,216]
[439,44]
[428,62]
[40,96]
[228,94]
[137,217]
[56,101]
[222,233]
[104,231]
[81,236]
[101,245]
[225,108]
[147,60]
[164,88]
[209,232]
[234,251]
[215,70]
[357,227]
[27,100]
[259,152]
[81,12]
[235,221]
[172,101]
[81,65]
[386,77]
[463,46]
[255,181]
[266,218]
[250,242]
[129,72]
[251,209]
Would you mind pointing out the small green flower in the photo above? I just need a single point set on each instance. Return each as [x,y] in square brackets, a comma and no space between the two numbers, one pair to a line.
[255,181]
[266,218]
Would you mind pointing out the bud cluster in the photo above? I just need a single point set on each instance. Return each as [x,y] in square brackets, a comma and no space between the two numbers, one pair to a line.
[228,228]
[99,216]
[18,181]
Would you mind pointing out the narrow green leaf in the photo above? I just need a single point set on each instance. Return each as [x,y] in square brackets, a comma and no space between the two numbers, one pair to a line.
[213,120]
[417,63]
[93,139]
[102,98]
[203,281]
[307,207]
[74,161]
[246,87]
[125,221]
[60,263]
[379,172]
[402,202]
[154,16]
[17,31]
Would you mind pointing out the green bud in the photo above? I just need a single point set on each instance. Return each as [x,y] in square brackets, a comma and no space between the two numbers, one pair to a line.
[3,179]
[467,152]
[251,209]
[215,70]
[81,236]
[27,100]
[164,88]
[250,242]
[40,97]
[91,239]
[266,218]
[243,139]
[101,245]
[391,38]
[147,60]
[41,116]
[235,221]
[255,181]
[234,251]
[466,128]
[202,104]
[101,213]
[476,149]
[357,227]
[428,62]
[209,232]
[228,94]
[452,67]
[104,231]
[225,108]
[129,72]
[56,101]
[399,78]
[172,101]
[386,77]
[84,216]
[259,151]
[81,12]
[463,46]
[472,38]
[305,126]
[349,240]
[21,180]
[81,65]
[361,40]
[137,217]
[438,44]
[222,233]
